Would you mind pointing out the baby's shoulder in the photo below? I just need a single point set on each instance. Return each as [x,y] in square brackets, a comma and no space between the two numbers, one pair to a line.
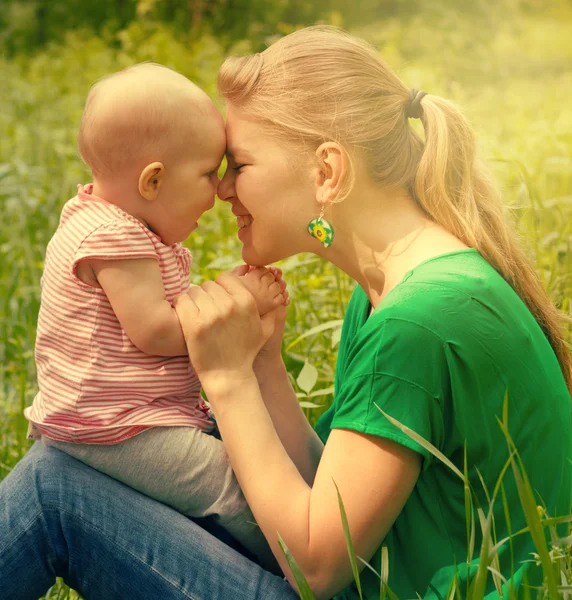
[99,217]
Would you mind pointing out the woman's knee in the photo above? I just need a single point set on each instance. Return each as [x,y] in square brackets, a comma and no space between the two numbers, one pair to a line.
[46,479]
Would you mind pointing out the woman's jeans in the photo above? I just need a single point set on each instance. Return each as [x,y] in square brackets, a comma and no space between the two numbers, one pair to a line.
[60,518]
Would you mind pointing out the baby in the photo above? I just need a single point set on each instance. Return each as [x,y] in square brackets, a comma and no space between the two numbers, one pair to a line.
[116,388]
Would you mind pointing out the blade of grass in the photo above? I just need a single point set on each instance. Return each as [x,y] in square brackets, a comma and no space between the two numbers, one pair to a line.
[384,572]
[509,531]
[536,529]
[469,519]
[422,442]
[563,541]
[506,539]
[531,515]
[565,585]
[314,330]
[495,571]
[525,588]
[381,576]
[304,590]
[479,584]
[349,543]
[493,556]
[368,566]
[453,590]
[549,521]
[498,574]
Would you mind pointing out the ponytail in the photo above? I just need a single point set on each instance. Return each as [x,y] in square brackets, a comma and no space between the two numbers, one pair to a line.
[458,193]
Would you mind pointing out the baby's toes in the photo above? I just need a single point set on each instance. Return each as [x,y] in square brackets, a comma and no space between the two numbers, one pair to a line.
[277,272]
[259,273]
[274,289]
[268,279]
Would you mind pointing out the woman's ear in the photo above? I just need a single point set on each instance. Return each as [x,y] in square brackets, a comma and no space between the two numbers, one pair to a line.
[332,171]
[151,179]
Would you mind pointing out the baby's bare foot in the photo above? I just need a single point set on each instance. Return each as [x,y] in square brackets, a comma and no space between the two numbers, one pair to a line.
[266,289]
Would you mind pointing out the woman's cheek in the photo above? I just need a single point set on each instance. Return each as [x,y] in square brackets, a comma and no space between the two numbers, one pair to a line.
[242,189]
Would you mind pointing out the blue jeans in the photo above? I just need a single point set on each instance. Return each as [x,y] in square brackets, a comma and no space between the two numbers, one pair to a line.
[59,517]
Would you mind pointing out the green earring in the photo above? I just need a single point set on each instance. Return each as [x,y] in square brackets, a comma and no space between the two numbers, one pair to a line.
[320,229]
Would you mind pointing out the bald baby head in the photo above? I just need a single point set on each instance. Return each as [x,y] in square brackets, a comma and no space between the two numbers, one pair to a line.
[142,114]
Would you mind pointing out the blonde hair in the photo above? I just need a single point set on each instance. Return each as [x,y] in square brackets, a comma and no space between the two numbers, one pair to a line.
[322,84]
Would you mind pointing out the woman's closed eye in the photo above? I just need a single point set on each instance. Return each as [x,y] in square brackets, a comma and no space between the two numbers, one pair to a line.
[238,167]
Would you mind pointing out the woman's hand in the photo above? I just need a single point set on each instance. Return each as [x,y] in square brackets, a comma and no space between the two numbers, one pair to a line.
[222,330]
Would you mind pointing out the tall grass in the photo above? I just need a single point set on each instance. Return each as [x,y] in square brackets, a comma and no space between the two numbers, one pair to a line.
[513,86]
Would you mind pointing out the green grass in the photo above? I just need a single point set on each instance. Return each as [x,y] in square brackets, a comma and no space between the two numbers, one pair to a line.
[513,86]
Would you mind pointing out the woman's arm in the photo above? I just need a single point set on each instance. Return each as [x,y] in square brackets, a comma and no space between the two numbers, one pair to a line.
[374,476]
[300,441]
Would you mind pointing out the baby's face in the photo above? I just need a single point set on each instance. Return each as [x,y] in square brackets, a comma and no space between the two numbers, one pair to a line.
[190,185]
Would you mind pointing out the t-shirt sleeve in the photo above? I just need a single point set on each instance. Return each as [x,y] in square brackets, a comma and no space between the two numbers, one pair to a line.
[401,368]
[115,240]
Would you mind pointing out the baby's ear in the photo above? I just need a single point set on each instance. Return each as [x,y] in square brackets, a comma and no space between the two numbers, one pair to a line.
[151,179]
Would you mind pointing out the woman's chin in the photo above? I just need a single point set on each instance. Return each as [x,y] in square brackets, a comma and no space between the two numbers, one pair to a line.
[251,257]
[245,234]
[256,256]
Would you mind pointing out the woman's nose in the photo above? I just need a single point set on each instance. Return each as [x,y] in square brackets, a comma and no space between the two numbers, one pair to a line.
[226,186]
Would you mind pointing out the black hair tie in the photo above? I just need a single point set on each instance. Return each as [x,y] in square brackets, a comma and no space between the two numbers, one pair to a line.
[414,109]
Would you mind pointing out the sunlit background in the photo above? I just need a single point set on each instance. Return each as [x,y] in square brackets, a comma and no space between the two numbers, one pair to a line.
[507,63]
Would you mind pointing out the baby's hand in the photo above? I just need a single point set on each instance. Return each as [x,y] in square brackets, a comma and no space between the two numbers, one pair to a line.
[268,290]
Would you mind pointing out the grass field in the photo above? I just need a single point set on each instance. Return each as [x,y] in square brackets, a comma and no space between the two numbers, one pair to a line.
[514,86]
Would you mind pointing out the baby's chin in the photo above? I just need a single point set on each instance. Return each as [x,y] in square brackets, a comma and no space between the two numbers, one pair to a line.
[170,240]
[179,237]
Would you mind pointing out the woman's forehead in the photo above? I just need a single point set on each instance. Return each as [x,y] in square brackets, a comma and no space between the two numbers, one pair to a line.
[240,133]
[245,133]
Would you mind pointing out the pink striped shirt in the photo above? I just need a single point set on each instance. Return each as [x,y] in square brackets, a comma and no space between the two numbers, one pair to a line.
[96,386]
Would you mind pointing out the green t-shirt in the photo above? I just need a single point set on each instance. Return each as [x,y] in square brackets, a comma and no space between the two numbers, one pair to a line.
[438,355]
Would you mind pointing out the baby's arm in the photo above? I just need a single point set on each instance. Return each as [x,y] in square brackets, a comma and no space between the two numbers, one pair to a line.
[268,291]
[135,291]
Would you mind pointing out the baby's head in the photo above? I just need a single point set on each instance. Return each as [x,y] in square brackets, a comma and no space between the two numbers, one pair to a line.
[153,141]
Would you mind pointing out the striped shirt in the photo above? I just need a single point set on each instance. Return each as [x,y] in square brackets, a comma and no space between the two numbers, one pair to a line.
[96,386]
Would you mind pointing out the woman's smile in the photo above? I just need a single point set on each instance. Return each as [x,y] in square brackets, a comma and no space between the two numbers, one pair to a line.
[243,218]
[244,221]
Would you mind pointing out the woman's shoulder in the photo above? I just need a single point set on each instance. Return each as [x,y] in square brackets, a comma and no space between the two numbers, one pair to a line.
[455,274]
[448,290]
[458,299]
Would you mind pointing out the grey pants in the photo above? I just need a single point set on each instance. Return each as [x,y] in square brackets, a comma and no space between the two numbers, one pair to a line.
[184,468]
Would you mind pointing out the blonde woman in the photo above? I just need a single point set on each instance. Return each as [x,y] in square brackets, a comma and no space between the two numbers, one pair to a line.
[447,316]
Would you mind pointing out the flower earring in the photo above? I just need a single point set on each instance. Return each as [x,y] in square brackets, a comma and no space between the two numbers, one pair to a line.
[320,229]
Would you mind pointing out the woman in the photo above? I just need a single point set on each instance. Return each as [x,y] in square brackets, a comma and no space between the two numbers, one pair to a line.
[447,317]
